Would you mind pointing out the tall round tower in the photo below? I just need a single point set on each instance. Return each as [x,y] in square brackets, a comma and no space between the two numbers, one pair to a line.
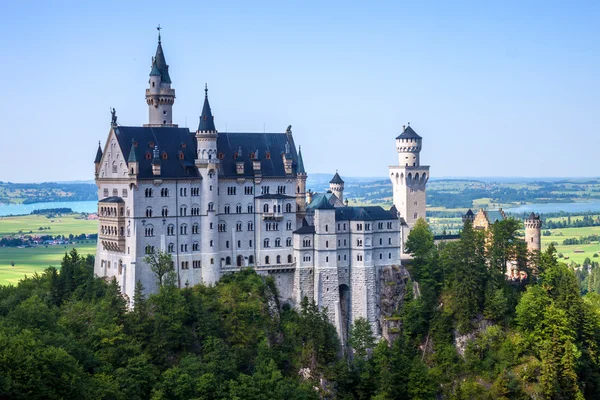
[533,233]
[336,185]
[159,95]
[408,145]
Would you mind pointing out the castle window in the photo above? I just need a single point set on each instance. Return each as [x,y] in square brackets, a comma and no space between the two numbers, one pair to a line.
[148,192]
[389,240]
[151,145]
[326,243]
[266,208]
[250,243]
[239,244]
[212,261]
[278,242]
[195,246]
[228,260]
[195,228]
[380,241]
[238,209]
[211,207]
[381,256]
[153,84]
[222,227]
[165,212]
[170,248]
[288,208]
[196,264]
[288,225]
[289,258]
[149,212]
[278,259]
[267,260]
[390,256]
[227,209]
[164,155]
[171,230]
[326,228]
[327,260]
[250,226]
[183,211]
[227,244]
[266,243]
[238,226]
[183,229]
[250,259]
[359,242]
[250,209]
[288,242]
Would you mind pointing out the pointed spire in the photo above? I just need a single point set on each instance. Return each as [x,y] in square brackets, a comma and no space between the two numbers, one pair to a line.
[300,161]
[98,154]
[132,155]
[159,63]
[336,178]
[207,121]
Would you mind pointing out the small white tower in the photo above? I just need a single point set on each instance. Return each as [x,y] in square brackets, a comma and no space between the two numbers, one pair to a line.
[336,185]
[207,163]
[159,96]
[409,177]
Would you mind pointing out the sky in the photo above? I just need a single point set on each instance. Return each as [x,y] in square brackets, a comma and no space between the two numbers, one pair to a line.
[507,88]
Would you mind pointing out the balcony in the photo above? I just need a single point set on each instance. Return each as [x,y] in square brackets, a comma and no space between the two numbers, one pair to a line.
[272,216]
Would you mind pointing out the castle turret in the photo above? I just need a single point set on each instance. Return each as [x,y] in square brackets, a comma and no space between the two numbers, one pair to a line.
[159,96]
[98,159]
[469,216]
[132,161]
[409,178]
[533,233]
[300,187]
[207,164]
[336,185]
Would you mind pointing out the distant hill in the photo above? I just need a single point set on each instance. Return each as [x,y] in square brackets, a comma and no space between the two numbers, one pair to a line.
[27,193]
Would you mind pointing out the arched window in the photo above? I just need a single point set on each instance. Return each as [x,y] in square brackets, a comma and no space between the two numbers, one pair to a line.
[149,212]
[211,206]
[165,211]
[267,260]
[170,230]
[195,228]
[171,248]
[183,229]
[250,259]
[278,259]
[289,258]
[183,211]
[278,242]
[288,208]
[227,260]
[266,243]
[266,208]
[288,242]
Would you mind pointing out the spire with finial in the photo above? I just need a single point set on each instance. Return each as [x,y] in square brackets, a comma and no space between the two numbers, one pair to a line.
[158,28]
[98,154]
[132,155]
[159,63]
[300,161]
[207,121]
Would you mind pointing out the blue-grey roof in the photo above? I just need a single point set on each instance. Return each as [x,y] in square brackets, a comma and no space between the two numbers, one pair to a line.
[270,146]
[408,133]
[317,198]
[112,199]
[132,156]
[336,178]
[494,215]
[370,213]
[469,213]
[170,140]
[207,121]
[300,162]
[161,64]
[98,155]
[322,203]
[305,228]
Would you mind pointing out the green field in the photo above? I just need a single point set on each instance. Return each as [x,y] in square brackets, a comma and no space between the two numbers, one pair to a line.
[63,225]
[558,235]
[35,259]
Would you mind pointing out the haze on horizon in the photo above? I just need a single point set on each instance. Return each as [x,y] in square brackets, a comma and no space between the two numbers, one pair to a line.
[506,89]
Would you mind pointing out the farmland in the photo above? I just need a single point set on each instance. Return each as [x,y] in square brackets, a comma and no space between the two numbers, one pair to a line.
[60,225]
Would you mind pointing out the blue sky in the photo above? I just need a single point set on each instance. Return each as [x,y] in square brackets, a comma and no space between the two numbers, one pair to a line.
[495,89]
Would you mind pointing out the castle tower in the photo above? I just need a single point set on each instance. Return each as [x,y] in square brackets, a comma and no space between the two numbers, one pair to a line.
[98,160]
[207,164]
[300,187]
[409,177]
[159,95]
[469,216]
[533,233]
[336,185]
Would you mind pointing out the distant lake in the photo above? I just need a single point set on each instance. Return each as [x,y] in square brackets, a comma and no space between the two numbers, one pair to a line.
[556,207]
[76,206]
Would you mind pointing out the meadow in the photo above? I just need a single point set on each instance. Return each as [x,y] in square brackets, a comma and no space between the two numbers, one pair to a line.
[583,250]
[29,260]
[63,225]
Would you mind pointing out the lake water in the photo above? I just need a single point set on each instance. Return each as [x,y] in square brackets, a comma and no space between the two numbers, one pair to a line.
[20,209]
[556,207]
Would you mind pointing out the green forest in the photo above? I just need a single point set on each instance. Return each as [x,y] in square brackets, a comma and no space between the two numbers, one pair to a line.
[467,333]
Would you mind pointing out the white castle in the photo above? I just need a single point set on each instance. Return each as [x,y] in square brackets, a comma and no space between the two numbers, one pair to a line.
[218,202]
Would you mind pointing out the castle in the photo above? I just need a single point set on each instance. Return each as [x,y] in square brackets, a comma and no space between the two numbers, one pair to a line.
[218,202]
[484,219]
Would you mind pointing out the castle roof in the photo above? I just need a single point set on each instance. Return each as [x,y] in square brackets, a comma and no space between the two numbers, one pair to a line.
[305,228]
[300,162]
[322,203]
[332,198]
[132,157]
[370,213]
[408,133]
[533,216]
[160,64]
[207,121]
[494,215]
[98,155]
[170,140]
[112,199]
[469,213]
[336,178]
[270,147]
